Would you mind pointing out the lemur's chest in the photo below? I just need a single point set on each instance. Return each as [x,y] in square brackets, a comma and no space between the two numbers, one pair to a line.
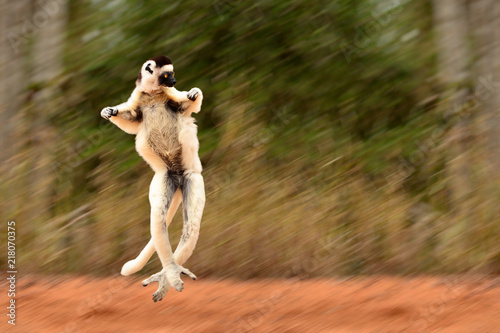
[161,126]
[161,122]
[167,137]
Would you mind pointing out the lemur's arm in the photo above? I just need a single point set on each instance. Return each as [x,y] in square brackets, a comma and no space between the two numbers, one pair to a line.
[190,101]
[127,116]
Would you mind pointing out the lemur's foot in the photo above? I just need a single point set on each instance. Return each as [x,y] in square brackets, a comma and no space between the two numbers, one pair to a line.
[193,94]
[169,276]
[107,112]
[163,286]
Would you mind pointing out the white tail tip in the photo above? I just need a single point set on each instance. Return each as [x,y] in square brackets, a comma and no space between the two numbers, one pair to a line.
[129,268]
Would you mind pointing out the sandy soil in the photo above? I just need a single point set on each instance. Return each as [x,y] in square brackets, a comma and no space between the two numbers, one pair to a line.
[374,304]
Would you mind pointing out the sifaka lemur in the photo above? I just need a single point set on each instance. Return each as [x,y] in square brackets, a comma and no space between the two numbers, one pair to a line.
[166,138]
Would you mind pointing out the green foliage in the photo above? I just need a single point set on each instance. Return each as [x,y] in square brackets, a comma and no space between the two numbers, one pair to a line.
[311,113]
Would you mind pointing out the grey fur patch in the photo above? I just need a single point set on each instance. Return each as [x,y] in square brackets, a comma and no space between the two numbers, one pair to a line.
[127,115]
[172,183]
[186,203]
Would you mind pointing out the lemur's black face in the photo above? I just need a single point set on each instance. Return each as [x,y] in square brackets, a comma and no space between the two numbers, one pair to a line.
[167,79]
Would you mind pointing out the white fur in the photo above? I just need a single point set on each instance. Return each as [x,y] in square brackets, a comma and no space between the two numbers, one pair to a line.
[190,145]
[149,82]
[195,210]
[142,147]
[138,263]
[170,274]
[130,127]
[195,199]
[181,96]
[159,234]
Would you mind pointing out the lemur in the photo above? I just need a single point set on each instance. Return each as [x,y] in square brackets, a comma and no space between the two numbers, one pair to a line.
[166,138]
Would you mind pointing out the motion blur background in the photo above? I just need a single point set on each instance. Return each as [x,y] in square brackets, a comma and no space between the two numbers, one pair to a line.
[337,137]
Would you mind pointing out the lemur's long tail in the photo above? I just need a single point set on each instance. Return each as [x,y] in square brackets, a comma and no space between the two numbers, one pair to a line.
[135,265]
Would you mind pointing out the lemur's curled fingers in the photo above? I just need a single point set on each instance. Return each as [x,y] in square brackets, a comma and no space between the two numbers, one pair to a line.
[108,112]
[169,276]
[193,94]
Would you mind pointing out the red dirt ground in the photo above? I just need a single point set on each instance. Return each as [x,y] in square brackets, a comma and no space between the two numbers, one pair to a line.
[373,304]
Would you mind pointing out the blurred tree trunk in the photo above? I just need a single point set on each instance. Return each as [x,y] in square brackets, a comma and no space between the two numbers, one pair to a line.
[47,66]
[485,19]
[13,76]
[451,26]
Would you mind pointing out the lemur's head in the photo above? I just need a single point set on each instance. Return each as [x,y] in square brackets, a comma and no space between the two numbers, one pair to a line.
[156,73]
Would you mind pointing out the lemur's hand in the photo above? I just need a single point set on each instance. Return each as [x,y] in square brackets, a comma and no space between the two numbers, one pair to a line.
[193,94]
[107,112]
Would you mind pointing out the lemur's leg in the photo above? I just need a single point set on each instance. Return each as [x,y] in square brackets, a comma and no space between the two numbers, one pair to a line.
[138,263]
[161,192]
[193,202]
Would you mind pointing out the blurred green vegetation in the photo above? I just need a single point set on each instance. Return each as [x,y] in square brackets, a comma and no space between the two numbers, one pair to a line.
[322,138]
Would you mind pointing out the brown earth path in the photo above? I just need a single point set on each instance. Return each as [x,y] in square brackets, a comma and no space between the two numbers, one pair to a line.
[372,304]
